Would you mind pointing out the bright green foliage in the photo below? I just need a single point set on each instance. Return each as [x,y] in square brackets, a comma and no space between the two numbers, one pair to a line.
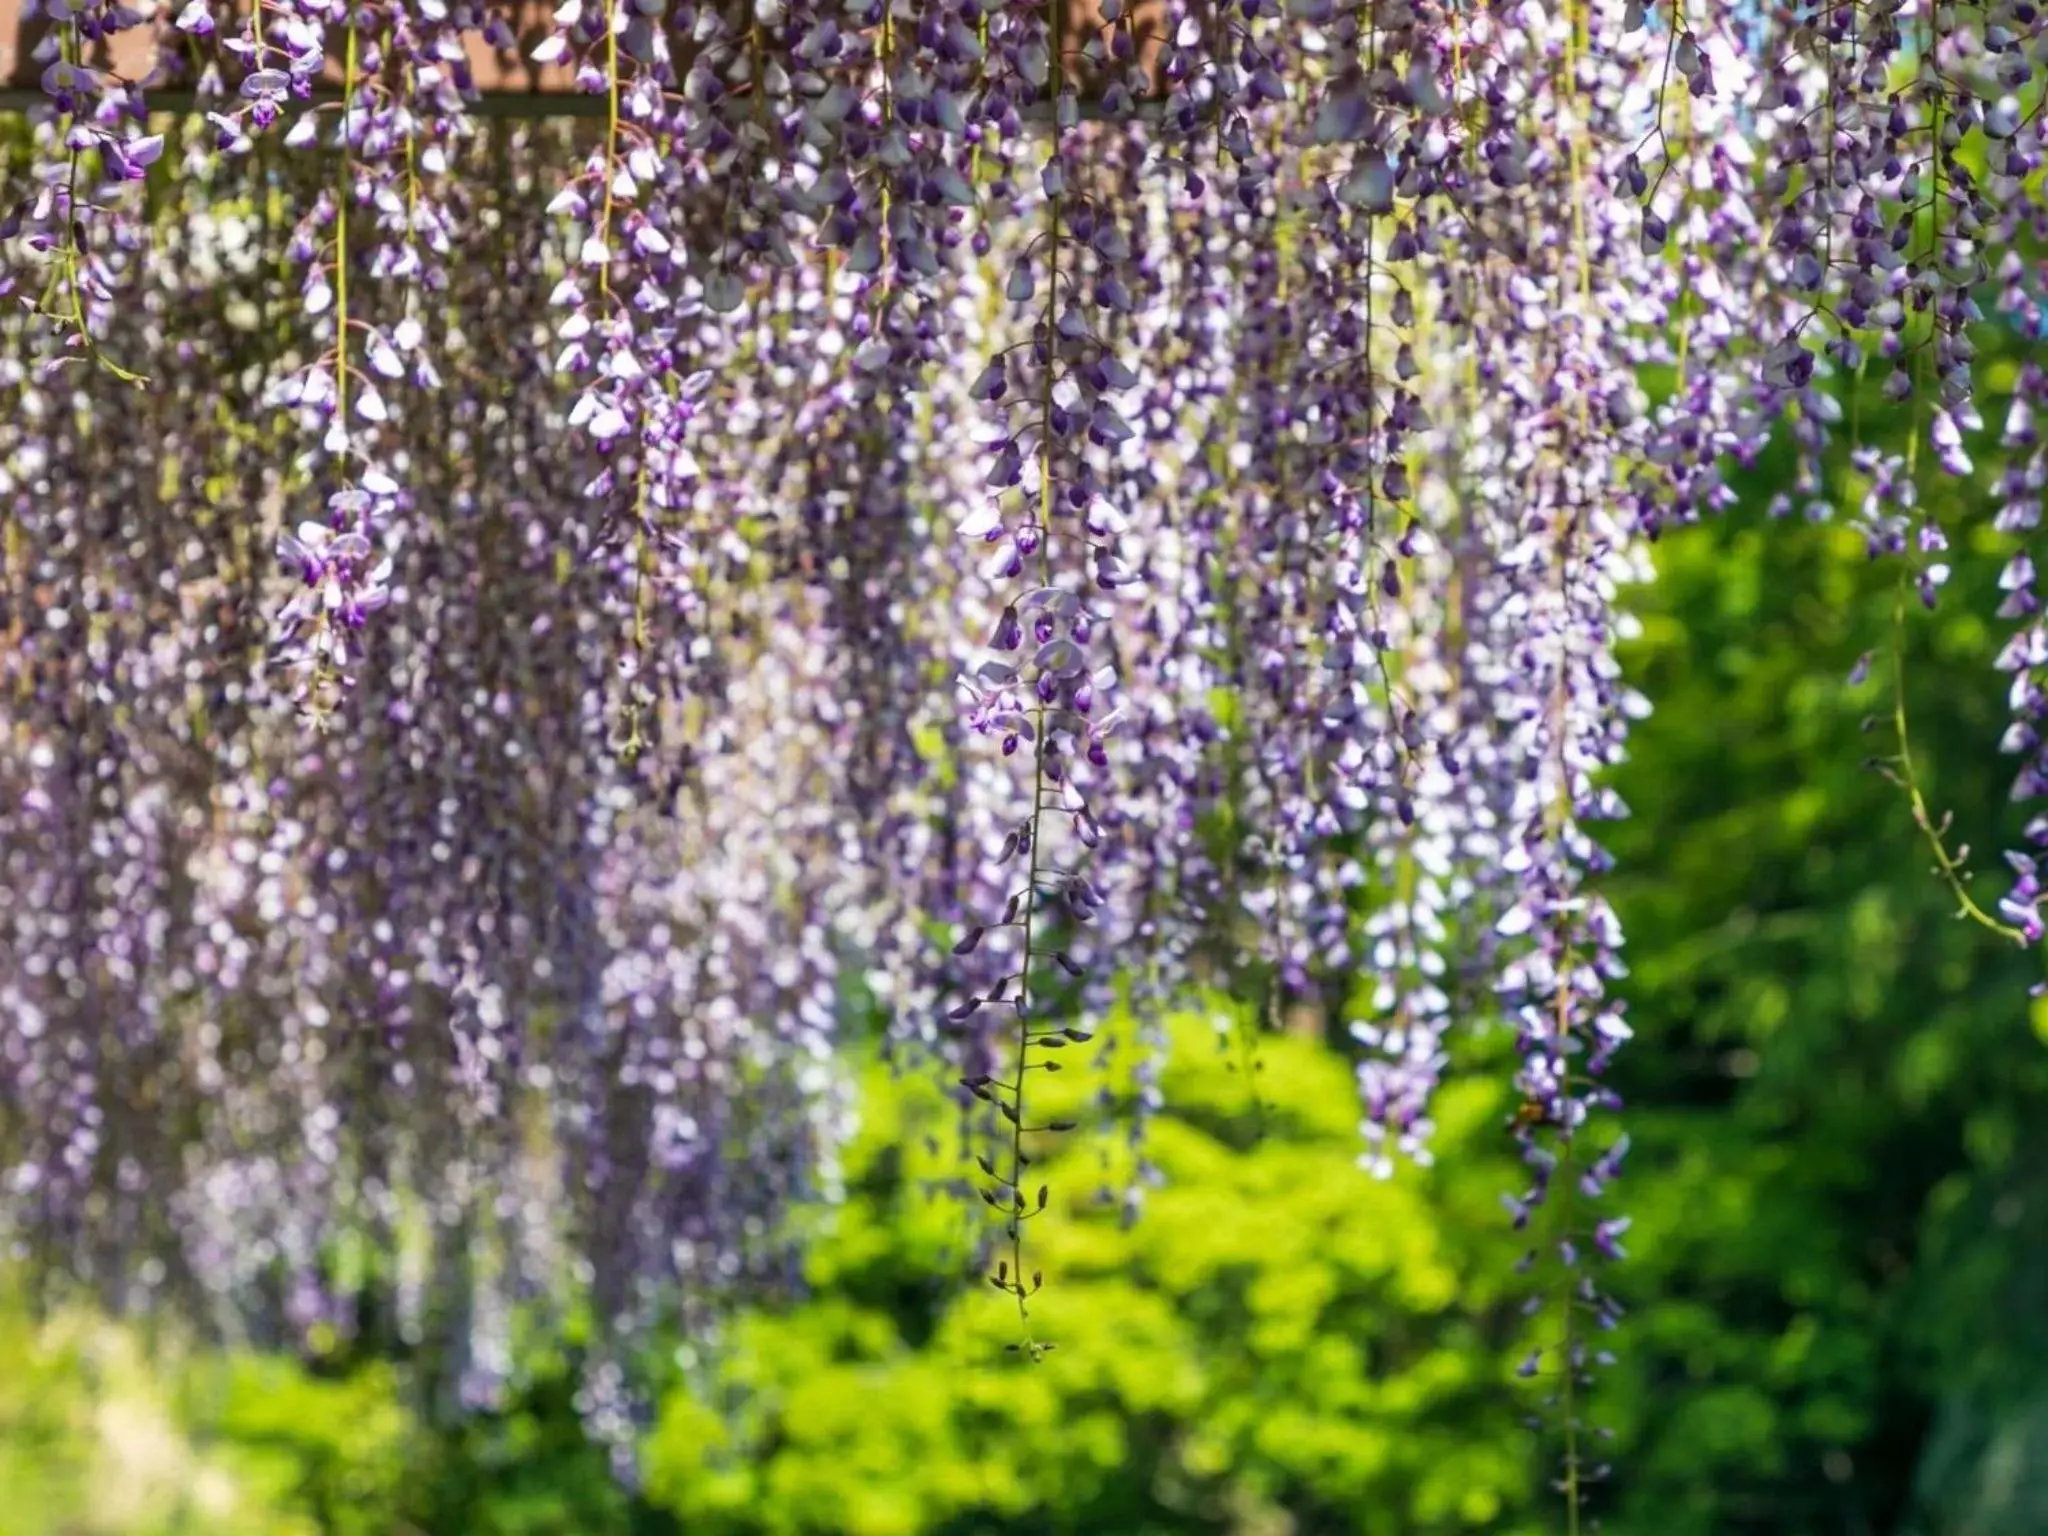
[1280,1332]
[97,1439]
[91,1443]
[332,1448]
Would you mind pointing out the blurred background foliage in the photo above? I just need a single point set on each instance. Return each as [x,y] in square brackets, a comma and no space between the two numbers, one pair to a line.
[1838,1271]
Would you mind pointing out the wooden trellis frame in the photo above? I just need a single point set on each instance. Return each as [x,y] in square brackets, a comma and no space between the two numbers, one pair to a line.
[508,85]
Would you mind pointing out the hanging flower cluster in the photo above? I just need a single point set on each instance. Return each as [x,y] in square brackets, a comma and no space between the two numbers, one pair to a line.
[1035,504]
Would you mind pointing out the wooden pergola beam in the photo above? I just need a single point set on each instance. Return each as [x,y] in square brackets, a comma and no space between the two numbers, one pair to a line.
[508,85]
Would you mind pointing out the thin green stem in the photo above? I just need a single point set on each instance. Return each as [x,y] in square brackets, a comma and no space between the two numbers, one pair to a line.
[1951,868]
[611,144]
[348,96]
[1046,502]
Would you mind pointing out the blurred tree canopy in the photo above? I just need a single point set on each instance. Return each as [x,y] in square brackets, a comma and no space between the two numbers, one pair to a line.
[1838,1268]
